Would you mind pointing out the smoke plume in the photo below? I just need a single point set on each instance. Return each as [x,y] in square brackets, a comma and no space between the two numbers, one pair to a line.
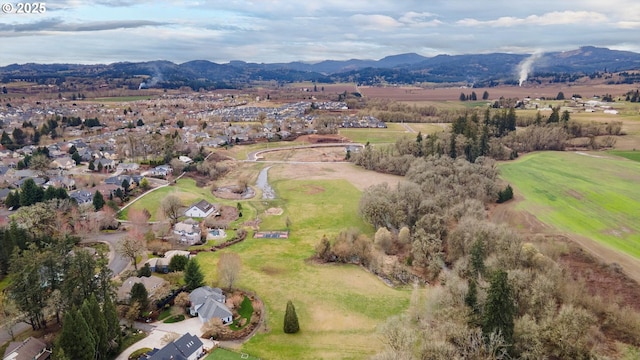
[526,66]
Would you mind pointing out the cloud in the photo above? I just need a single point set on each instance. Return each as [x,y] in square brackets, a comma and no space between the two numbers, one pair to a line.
[58,25]
[423,19]
[375,22]
[551,18]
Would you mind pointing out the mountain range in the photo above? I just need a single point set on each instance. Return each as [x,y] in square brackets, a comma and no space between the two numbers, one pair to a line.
[397,69]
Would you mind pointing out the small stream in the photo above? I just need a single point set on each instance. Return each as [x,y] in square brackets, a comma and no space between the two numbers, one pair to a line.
[263,184]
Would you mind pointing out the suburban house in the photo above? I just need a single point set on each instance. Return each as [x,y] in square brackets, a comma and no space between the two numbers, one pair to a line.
[151,283]
[187,347]
[29,349]
[65,163]
[187,231]
[161,170]
[82,197]
[201,209]
[162,264]
[208,303]
[127,167]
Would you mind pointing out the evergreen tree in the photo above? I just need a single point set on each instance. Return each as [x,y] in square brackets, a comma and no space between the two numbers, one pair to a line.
[112,323]
[473,96]
[560,96]
[98,201]
[193,276]
[178,263]
[12,200]
[75,339]
[145,270]
[50,193]
[76,157]
[452,146]
[500,307]
[92,166]
[140,295]
[5,140]
[30,193]
[463,97]
[565,116]
[291,325]
[555,115]
[477,257]
[485,95]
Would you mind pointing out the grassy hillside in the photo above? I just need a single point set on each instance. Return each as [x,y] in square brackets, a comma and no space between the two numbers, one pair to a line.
[339,307]
[587,194]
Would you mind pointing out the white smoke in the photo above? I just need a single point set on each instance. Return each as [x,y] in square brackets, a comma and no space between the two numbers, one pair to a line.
[526,66]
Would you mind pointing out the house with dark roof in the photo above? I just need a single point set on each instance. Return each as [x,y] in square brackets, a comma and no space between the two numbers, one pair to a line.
[187,347]
[82,197]
[201,209]
[29,349]
[208,303]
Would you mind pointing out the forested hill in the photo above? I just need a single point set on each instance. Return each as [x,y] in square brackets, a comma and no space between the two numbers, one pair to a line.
[409,68]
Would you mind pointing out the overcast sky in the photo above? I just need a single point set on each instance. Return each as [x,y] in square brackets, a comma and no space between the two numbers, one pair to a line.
[102,31]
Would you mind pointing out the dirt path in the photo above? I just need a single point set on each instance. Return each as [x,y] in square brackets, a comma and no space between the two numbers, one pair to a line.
[528,224]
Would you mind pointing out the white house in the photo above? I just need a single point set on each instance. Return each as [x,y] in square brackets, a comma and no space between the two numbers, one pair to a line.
[201,209]
[187,231]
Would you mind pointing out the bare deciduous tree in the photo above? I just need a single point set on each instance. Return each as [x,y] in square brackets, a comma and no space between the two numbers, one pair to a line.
[131,246]
[171,208]
[229,269]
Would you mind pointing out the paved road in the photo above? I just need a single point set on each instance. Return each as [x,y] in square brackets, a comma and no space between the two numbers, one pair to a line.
[117,263]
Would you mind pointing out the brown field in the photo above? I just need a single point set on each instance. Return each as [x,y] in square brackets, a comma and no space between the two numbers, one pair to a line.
[412,93]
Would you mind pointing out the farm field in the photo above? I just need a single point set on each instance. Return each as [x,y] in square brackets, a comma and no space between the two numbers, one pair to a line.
[338,306]
[589,194]
[631,155]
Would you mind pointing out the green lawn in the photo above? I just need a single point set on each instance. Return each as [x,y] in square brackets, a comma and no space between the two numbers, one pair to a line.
[591,195]
[375,136]
[631,155]
[224,354]
[245,311]
[338,306]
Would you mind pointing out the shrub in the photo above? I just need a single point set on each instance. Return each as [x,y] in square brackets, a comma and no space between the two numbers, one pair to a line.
[291,325]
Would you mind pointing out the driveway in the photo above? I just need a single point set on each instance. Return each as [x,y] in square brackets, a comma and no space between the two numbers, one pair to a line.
[159,329]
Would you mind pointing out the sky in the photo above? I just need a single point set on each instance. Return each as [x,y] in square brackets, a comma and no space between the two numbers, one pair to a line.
[271,31]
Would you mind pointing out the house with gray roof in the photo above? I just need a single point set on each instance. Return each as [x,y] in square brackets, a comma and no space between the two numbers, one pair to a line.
[187,347]
[201,209]
[208,303]
[29,349]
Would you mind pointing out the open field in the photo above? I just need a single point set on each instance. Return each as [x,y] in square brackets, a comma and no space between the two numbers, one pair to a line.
[393,132]
[123,98]
[339,306]
[224,354]
[588,194]
[631,155]
[412,93]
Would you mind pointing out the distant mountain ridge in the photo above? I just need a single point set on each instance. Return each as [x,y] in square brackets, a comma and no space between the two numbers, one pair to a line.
[402,68]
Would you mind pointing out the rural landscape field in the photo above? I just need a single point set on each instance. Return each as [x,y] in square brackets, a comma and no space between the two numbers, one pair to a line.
[319,180]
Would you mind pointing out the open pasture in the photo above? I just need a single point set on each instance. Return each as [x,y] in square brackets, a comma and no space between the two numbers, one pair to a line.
[593,195]
[338,306]
[413,94]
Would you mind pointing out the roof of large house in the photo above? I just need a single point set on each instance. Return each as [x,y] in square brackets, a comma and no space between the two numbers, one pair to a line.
[203,205]
[200,295]
[180,349]
[29,349]
[150,283]
[213,309]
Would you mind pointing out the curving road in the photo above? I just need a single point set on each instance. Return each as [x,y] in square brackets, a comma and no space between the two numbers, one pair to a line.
[255,155]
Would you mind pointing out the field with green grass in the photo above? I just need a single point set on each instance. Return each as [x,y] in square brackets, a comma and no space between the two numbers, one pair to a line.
[224,354]
[590,194]
[375,135]
[631,155]
[338,306]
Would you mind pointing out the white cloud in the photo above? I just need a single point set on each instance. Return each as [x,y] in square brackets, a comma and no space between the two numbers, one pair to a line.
[375,22]
[551,18]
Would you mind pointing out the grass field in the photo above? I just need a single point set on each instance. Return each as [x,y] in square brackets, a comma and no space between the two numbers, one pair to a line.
[224,354]
[587,194]
[374,135]
[631,155]
[123,98]
[338,306]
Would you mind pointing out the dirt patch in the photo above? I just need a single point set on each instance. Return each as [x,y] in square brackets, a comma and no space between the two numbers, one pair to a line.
[357,176]
[273,211]
[313,189]
[605,281]
[575,194]
[232,193]
[271,270]
[320,139]
[319,154]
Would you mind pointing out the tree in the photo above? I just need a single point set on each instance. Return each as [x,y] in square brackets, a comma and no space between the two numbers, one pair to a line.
[182,300]
[180,124]
[193,276]
[131,246]
[565,116]
[463,97]
[214,328]
[75,339]
[178,263]
[76,157]
[144,184]
[229,266]
[30,193]
[500,307]
[139,295]
[92,166]
[98,201]
[291,325]
[39,162]
[145,271]
[140,122]
[473,96]
[5,140]
[171,208]
[13,200]
[560,96]
[485,95]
